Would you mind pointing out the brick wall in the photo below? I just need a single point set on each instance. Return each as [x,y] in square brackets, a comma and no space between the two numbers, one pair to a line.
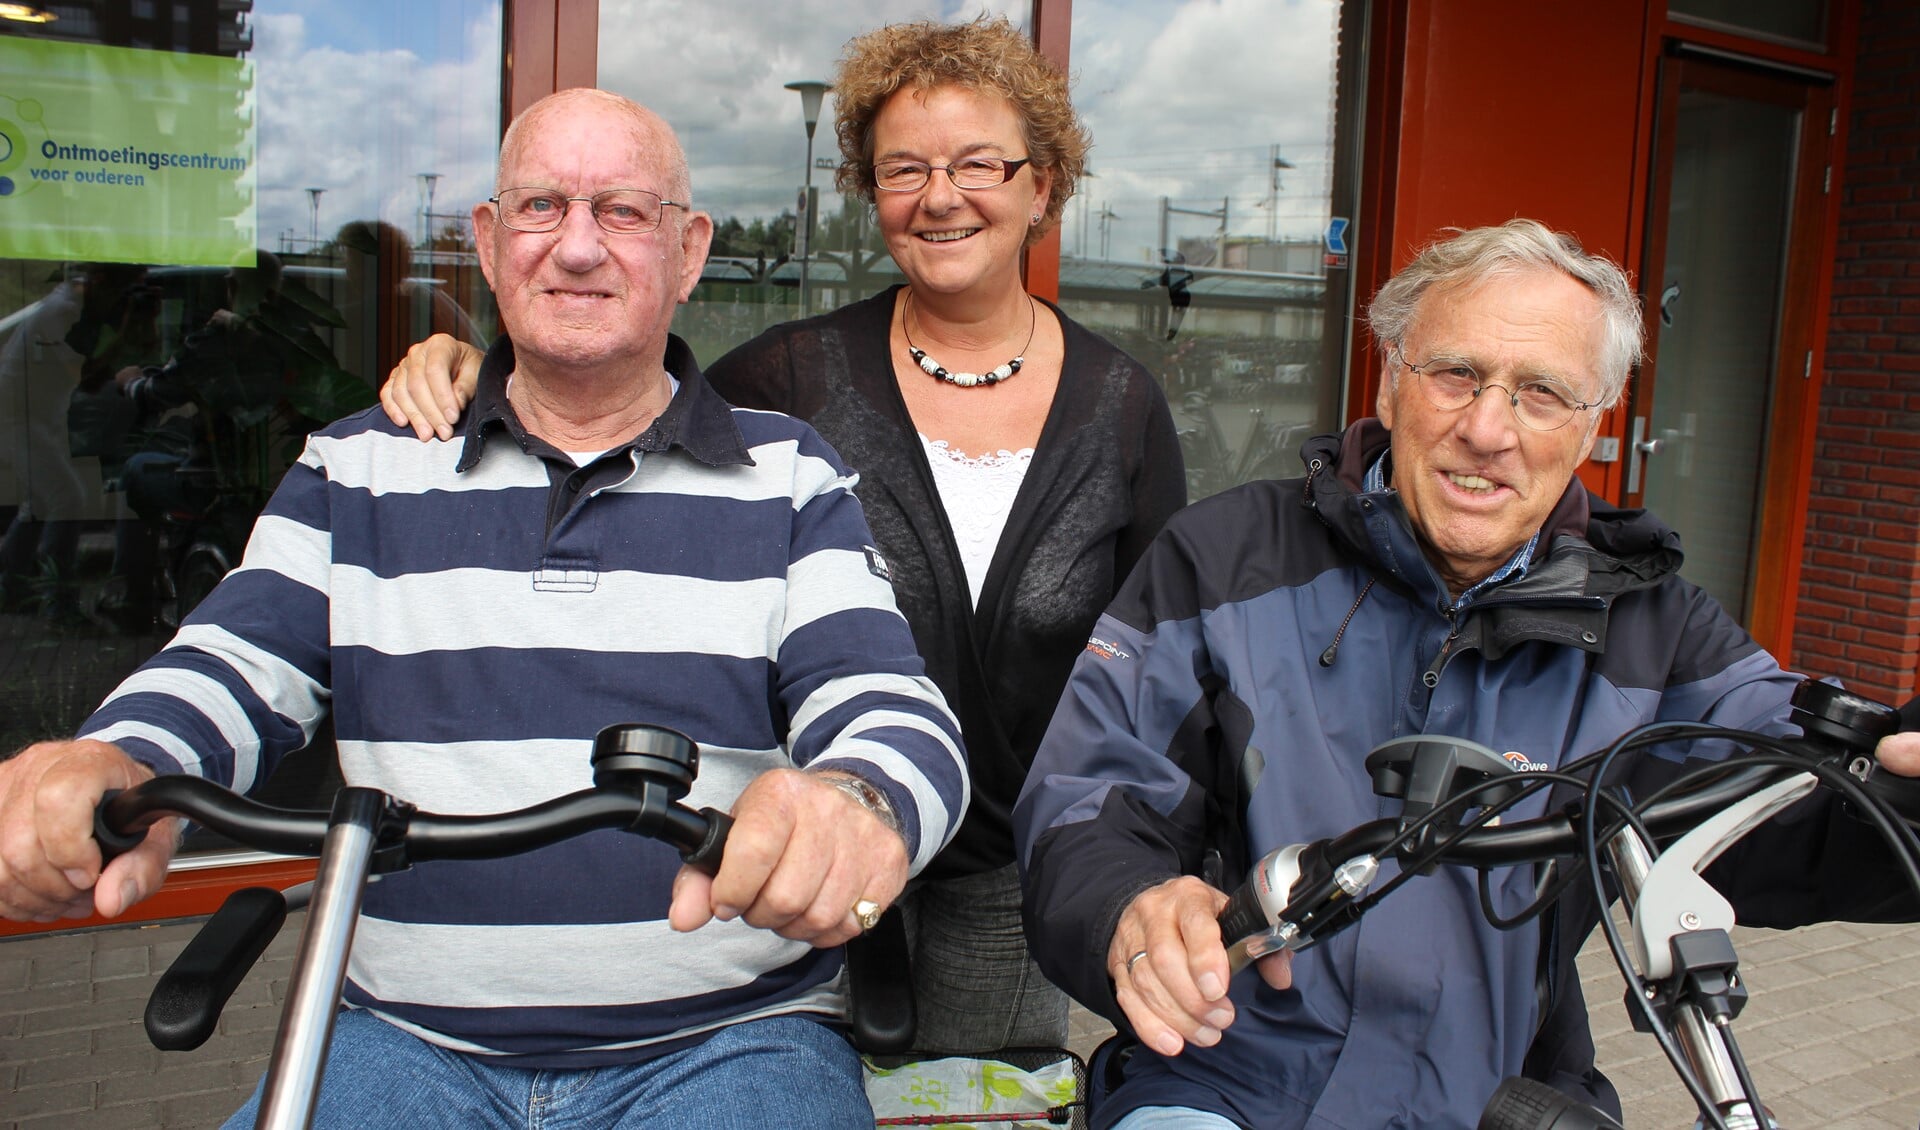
[1859,609]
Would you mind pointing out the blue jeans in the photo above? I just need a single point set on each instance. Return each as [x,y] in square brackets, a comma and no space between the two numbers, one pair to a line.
[784,1071]
[1173,1118]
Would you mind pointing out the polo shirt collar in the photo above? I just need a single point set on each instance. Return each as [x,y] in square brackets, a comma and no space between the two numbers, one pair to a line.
[696,420]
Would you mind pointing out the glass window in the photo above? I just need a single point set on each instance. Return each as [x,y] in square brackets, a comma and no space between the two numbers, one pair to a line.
[754,165]
[208,249]
[1201,242]
[1795,21]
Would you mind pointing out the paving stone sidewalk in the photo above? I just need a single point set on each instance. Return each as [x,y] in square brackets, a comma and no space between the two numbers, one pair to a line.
[1833,1032]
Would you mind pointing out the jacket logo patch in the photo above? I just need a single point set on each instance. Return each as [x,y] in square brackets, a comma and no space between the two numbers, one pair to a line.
[1105,650]
[1522,763]
[876,564]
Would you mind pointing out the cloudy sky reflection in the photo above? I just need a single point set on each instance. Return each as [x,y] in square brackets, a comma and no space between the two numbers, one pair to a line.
[342,108]
[1185,100]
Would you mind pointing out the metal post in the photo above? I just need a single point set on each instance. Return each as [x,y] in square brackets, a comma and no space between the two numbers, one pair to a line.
[313,233]
[806,219]
[810,95]
[1220,245]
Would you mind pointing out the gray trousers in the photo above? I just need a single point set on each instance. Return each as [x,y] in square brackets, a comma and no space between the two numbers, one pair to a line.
[975,987]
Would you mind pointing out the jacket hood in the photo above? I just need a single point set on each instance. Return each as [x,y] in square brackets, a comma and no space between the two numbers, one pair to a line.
[1620,549]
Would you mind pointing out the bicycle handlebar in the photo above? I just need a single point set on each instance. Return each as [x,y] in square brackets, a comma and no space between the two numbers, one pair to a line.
[122,818]
[1298,894]
[640,773]
[1301,893]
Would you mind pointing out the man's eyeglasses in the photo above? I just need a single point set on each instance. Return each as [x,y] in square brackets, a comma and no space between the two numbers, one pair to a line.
[969,173]
[1452,384]
[621,211]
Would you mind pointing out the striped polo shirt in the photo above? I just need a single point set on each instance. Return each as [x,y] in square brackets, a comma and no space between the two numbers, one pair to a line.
[472,612]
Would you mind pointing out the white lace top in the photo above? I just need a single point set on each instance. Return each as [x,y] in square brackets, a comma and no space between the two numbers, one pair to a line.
[977,494]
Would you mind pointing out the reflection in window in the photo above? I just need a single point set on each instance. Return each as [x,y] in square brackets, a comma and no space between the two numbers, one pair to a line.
[1199,244]
[727,97]
[229,240]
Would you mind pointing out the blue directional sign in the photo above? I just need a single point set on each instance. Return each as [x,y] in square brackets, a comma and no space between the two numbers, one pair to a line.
[1337,235]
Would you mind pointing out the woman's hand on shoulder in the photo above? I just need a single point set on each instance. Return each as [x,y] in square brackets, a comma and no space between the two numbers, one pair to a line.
[432,385]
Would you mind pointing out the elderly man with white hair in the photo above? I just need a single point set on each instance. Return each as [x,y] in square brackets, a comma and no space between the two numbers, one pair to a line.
[1438,570]
[608,541]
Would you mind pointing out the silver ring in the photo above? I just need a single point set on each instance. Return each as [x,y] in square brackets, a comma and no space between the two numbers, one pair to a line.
[1136,957]
[867,913]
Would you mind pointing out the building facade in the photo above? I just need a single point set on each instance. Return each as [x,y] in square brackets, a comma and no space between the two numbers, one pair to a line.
[1259,168]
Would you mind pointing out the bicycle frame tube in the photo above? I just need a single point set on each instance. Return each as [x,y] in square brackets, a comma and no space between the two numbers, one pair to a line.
[1632,863]
[313,991]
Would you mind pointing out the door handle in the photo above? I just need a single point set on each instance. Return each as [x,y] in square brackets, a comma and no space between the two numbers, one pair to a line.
[1638,451]
[1668,299]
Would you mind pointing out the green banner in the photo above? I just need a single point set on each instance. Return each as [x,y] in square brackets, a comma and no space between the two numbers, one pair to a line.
[115,154]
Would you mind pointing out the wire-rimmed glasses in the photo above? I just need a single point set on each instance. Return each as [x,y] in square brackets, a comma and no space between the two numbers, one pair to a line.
[1539,404]
[620,211]
[968,172]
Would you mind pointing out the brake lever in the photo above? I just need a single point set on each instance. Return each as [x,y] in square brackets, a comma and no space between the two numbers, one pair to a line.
[1673,899]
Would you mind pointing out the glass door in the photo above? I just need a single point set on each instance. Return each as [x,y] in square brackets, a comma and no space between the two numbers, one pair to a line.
[1740,173]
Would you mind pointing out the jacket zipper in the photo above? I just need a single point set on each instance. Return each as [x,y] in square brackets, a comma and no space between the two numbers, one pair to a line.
[1432,678]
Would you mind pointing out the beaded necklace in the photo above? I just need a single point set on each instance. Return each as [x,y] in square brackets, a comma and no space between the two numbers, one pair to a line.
[965,380]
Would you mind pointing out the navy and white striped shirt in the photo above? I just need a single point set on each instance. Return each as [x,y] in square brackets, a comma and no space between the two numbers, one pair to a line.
[473,612]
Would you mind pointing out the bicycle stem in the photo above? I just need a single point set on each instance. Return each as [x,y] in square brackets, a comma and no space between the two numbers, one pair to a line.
[313,991]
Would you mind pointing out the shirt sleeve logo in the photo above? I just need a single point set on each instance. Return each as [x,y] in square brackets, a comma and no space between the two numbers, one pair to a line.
[876,564]
[1104,650]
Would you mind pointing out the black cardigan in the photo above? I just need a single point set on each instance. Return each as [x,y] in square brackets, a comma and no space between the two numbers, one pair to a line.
[1106,473]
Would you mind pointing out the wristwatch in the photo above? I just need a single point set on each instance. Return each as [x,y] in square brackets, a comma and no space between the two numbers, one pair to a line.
[862,792]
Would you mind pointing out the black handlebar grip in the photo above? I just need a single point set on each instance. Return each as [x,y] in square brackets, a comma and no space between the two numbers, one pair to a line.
[113,843]
[1243,916]
[713,846]
[186,1003]
[1528,1104]
[1901,794]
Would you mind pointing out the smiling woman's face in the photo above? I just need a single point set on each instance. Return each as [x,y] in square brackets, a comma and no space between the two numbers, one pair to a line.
[949,240]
